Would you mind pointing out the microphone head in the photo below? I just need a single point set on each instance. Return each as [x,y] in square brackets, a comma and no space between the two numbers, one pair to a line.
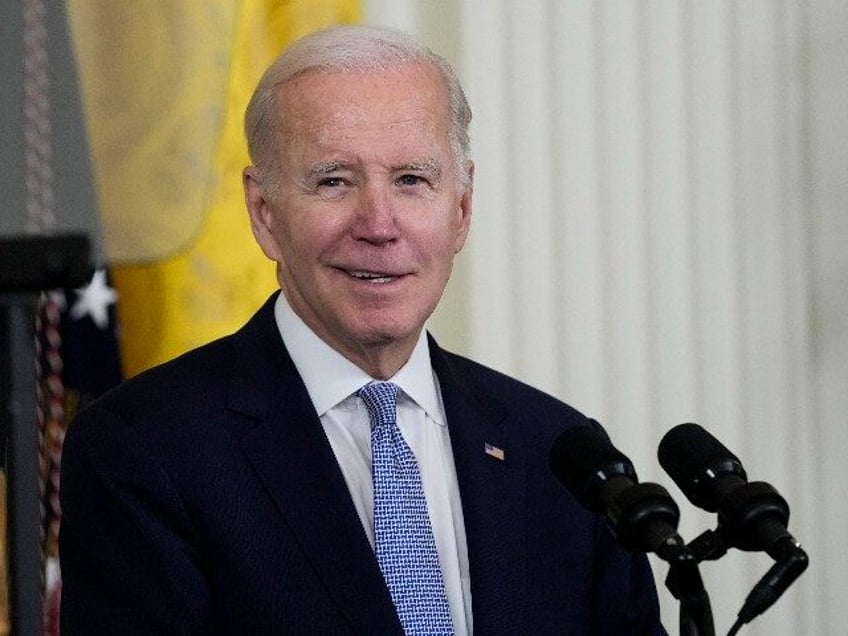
[696,460]
[583,459]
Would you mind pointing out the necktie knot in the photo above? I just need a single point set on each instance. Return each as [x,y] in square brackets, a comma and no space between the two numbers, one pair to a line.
[381,401]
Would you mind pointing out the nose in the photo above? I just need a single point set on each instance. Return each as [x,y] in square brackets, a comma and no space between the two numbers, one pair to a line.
[375,216]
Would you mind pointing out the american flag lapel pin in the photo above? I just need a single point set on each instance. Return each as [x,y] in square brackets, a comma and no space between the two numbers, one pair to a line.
[494,451]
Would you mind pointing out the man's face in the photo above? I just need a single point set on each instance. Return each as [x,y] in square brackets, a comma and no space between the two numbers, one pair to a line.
[368,211]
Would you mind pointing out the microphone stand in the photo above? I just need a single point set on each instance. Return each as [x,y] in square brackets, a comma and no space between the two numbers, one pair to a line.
[27,265]
[790,563]
[685,584]
[644,517]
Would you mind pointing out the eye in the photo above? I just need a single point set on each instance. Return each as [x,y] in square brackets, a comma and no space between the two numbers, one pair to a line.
[332,187]
[411,180]
[331,182]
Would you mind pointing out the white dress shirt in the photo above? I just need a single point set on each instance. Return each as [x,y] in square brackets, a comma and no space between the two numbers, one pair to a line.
[332,381]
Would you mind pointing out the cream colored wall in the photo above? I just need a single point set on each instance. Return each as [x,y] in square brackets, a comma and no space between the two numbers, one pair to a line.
[660,236]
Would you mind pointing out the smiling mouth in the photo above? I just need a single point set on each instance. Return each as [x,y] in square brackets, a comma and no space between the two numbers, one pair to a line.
[372,277]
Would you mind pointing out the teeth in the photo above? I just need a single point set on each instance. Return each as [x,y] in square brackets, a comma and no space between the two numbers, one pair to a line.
[371,276]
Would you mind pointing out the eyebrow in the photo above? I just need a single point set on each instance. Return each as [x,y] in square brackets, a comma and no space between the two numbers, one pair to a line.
[326,167]
[428,165]
[425,165]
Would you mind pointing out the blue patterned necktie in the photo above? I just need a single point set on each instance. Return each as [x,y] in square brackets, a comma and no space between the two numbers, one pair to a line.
[403,537]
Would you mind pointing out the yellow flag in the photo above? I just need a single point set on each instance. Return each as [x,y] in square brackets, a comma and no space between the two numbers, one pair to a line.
[218,276]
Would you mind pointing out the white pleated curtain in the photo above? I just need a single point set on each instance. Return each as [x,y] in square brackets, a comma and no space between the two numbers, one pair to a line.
[660,193]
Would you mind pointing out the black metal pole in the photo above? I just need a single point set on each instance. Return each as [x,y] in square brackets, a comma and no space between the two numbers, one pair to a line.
[685,583]
[18,396]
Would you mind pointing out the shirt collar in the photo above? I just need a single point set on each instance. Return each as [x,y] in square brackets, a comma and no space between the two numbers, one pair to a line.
[330,377]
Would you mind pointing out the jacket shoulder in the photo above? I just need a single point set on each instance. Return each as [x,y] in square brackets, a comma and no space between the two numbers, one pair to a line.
[199,380]
[507,391]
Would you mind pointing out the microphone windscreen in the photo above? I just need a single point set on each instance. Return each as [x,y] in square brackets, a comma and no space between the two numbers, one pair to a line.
[581,457]
[688,450]
[693,458]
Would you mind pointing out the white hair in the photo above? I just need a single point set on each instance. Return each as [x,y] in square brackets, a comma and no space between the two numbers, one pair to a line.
[349,48]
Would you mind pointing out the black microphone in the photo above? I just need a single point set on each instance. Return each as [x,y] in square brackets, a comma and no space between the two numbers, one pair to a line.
[751,515]
[643,517]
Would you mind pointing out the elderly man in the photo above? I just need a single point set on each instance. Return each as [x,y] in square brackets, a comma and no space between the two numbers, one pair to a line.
[328,469]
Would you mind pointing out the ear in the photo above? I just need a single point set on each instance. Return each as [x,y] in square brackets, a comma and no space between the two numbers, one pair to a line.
[465,206]
[262,213]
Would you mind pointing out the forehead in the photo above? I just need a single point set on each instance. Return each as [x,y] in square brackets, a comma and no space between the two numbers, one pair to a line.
[324,107]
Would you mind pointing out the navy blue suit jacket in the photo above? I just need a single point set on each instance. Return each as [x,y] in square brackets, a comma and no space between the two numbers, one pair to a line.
[202,497]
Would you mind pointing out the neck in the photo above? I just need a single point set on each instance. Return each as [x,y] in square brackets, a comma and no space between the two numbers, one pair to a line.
[381,361]
[380,356]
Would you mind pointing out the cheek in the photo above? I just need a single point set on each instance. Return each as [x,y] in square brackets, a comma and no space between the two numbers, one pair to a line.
[285,241]
[440,251]
[305,242]
[291,228]
[458,239]
[447,239]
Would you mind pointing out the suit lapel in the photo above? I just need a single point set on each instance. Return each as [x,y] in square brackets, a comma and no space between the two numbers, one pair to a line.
[492,491]
[294,462]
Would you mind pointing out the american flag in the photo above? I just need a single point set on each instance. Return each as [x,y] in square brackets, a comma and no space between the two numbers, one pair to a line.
[494,451]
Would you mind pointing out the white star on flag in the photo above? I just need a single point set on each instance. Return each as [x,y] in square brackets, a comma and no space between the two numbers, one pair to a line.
[94,300]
